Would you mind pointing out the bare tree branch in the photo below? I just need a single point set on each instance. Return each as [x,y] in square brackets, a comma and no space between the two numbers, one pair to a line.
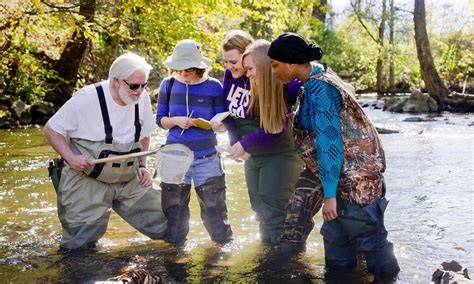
[363,24]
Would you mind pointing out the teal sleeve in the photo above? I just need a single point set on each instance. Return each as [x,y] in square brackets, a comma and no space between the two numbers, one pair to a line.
[325,106]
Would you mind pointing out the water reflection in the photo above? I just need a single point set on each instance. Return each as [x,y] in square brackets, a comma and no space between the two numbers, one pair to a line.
[429,218]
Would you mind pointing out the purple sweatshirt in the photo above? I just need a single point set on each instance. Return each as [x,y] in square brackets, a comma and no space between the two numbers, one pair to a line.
[237,100]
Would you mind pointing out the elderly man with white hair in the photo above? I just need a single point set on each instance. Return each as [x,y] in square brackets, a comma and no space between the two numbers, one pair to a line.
[112,117]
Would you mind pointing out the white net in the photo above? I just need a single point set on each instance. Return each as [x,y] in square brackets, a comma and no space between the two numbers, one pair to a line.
[172,163]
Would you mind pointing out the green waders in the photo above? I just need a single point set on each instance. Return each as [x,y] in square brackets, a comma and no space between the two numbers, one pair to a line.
[271,173]
[84,205]
[85,198]
[270,182]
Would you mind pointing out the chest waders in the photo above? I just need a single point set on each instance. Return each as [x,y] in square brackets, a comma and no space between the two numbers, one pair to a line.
[360,194]
[270,174]
[85,198]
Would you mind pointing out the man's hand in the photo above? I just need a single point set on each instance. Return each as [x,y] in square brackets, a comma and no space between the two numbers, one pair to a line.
[58,142]
[80,163]
[329,209]
[144,177]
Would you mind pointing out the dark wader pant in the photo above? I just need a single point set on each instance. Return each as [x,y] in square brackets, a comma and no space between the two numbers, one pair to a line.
[84,205]
[211,197]
[270,181]
[359,229]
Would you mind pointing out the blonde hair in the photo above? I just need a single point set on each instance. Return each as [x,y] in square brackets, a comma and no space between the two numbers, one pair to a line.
[267,96]
[236,39]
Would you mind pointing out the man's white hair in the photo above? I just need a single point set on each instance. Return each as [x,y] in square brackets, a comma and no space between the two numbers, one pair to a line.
[127,64]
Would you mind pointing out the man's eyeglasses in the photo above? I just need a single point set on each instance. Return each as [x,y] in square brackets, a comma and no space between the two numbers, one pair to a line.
[134,87]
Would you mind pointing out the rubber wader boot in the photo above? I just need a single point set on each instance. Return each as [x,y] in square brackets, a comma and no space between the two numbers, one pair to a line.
[211,196]
[175,203]
[383,264]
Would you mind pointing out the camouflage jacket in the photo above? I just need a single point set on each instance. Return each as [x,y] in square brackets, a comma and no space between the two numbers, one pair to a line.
[361,180]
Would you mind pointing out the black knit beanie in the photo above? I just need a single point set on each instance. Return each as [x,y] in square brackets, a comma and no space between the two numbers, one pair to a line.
[293,48]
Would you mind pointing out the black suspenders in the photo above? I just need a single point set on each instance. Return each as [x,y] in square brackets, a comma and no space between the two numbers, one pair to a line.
[138,126]
[105,117]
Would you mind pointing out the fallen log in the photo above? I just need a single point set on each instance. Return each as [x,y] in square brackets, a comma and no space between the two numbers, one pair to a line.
[461,96]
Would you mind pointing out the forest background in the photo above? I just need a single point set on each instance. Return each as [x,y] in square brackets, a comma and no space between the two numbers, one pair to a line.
[49,49]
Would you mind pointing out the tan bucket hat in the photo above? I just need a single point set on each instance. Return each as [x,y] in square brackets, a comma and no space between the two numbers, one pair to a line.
[187,54]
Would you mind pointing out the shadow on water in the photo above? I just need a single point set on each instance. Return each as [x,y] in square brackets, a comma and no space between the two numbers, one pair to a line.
[429,218]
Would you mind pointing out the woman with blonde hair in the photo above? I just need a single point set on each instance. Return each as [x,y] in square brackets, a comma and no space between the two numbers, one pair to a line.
[273,166]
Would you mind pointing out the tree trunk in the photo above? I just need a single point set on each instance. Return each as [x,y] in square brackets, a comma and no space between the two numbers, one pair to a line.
[392,44]
[433,83]
[68,64]
[380,65]
[319,10]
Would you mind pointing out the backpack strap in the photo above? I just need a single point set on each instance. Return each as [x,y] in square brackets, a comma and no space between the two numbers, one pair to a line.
[169,87]
[105,114]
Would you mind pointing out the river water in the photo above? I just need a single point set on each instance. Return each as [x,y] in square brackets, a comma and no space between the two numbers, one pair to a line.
[430,217]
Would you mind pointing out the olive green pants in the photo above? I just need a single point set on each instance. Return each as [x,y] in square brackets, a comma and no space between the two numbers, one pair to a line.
[84,208]
[270,180]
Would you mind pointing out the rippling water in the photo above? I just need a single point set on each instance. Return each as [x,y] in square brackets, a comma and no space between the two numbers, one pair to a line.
[430,217]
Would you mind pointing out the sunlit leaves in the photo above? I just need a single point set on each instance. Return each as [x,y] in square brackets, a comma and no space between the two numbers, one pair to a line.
[35,35]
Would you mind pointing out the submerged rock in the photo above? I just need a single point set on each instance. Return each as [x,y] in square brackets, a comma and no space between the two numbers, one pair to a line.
[386,131]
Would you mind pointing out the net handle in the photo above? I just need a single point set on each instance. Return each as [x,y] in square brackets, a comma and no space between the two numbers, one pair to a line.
[123,157]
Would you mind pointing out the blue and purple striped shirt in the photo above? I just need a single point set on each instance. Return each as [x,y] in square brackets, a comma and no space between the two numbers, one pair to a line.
[204,100]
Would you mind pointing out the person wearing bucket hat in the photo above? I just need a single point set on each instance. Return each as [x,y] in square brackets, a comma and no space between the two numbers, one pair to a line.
[273,165]
[188,93]
[347,168]
[187,54]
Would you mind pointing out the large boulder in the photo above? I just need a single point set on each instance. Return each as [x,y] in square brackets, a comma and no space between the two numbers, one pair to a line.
[21,111]
[420,103]
[41,112]
[417,102]
[6,119]
[395,104]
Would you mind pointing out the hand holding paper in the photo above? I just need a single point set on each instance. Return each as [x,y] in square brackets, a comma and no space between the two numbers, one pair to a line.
[206,124]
